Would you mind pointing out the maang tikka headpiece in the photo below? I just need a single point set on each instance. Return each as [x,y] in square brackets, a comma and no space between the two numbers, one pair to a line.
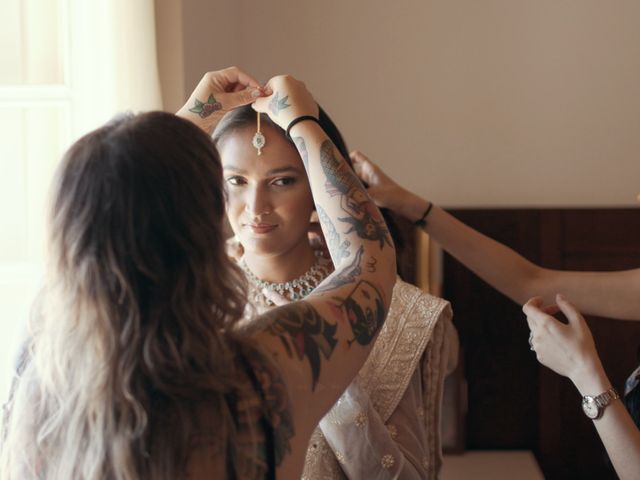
[258,140]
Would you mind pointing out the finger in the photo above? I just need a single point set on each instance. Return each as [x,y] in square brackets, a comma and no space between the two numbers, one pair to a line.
[234,75]
[261,104]
[569,310]
[532,304]
[246,96]
[275,297]
[358,156]
[359,161]
[550,309]
[532,310]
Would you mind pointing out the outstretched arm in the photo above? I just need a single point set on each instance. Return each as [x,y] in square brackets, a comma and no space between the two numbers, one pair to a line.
[609,294]
[569,350]
[321,343]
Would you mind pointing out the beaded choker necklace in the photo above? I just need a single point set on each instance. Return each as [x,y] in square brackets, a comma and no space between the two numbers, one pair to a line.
[293,290]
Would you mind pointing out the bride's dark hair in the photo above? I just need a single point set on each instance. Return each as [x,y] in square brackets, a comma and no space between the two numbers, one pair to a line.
[244,117]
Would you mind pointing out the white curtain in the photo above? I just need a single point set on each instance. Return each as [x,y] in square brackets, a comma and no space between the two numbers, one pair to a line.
[66,67]
[113,60]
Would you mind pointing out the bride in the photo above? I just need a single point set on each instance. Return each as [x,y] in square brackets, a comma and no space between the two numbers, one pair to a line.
[386,424]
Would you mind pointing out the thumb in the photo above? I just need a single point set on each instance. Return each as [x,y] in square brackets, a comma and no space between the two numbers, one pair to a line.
[569,311]
[231,100]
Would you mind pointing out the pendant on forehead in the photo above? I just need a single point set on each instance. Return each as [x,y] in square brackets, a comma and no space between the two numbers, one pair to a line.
[258,140]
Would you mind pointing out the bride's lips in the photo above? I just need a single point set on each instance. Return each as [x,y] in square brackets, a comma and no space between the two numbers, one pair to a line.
[261,228]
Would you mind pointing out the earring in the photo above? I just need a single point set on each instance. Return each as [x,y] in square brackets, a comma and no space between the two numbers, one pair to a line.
[258,140]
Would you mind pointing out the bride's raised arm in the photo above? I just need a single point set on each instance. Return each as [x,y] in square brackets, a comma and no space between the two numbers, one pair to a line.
[320,343]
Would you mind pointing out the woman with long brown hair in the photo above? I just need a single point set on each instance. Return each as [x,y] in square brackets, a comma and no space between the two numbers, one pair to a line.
[133,368]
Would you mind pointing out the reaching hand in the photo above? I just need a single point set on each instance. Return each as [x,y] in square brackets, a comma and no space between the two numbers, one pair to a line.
[567,349]
[219,92]
[384,191]
[290,99]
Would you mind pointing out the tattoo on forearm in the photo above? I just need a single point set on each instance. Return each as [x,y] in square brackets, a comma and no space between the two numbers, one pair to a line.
[302,148]
[277,104]
[364,218]
[204,109]
[343,276]
[304,334]
[338,249]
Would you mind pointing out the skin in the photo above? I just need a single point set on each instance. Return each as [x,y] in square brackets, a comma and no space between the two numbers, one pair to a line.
[276,183]
[311,342]
[606,294]
[569,350]
[270,189]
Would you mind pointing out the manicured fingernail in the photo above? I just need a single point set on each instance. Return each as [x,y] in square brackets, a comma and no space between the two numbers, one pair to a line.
[256,92]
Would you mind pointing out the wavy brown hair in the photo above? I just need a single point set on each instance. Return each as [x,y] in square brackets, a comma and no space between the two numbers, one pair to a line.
[128,344]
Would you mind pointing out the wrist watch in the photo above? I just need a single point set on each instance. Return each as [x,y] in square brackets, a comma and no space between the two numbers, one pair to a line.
[593,406]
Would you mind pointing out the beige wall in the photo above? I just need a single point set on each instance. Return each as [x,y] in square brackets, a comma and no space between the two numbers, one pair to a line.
[471,103]
[170,48]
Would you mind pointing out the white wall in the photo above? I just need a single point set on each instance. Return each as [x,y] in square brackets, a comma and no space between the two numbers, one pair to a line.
[471,103]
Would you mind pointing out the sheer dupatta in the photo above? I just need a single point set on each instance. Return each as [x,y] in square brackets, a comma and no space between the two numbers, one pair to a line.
[386,425]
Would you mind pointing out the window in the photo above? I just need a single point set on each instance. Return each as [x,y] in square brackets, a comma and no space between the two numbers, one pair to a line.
[66,66]
[35,123]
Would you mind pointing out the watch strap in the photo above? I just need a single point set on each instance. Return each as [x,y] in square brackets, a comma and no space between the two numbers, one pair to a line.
[605,398]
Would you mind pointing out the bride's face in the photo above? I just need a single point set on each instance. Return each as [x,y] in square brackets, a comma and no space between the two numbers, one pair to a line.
[269,199]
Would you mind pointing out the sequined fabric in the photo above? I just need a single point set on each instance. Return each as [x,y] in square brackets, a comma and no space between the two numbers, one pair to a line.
[402,384]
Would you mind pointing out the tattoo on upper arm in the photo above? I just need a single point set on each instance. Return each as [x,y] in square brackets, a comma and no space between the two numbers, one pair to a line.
[365,310]
[277,104]
[338,249]
[371,264]
[204,109]
[304,333]
[302,148]
[364,218]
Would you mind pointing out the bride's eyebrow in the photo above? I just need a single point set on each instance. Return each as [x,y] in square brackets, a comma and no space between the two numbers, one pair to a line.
[235,169]
[278,171]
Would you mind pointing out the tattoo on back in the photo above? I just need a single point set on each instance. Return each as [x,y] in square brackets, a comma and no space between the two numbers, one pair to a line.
[304,333]
[267,401]
[204,109]
[363,217]
[277,104]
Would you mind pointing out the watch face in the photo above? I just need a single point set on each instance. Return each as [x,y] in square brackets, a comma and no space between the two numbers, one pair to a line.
[590,407]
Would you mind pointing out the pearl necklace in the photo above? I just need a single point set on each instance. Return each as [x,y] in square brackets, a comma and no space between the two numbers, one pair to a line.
[295,289]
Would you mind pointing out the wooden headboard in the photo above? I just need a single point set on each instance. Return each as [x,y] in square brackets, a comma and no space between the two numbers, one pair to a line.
[514,402]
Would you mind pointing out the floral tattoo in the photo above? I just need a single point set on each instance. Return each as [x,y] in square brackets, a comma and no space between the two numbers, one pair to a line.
[204,109]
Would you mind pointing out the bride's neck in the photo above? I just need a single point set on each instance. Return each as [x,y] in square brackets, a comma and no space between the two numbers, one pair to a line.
[282,267]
